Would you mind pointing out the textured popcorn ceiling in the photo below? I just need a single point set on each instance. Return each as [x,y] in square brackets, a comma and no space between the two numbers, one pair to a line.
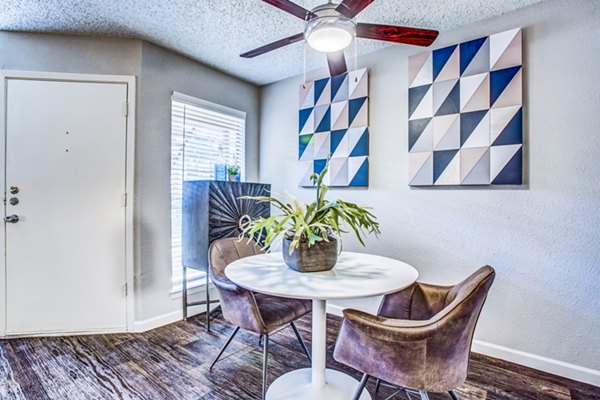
[215,32]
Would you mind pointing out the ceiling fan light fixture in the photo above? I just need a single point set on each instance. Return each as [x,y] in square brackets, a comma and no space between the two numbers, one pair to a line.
[330,34]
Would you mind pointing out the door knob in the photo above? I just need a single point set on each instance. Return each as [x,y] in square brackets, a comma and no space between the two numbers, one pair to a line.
[12,219]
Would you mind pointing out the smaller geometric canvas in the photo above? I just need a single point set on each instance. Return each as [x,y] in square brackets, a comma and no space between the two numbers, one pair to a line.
[465,111]
[333,122]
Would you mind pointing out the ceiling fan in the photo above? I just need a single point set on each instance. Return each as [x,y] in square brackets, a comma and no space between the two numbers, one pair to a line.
[330,28]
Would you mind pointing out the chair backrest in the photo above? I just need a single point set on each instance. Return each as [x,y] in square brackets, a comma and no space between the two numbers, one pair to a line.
[223,252]
[238,304]
[449,347]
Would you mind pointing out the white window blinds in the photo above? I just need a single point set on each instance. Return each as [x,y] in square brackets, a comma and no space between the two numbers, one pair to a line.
[203,134]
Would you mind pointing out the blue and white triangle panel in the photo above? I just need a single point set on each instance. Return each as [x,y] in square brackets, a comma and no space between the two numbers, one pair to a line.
[506,164]
[358,171]
[446,64]
[334,123]
[475,57]
[465,113]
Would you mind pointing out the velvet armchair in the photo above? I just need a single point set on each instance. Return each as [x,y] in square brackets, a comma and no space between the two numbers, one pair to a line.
[421,337]
[254,312]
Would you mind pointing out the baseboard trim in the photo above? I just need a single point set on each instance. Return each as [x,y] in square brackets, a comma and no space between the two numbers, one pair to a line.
[556,367]
[102,331]
[158,321]
[334,309]
[174,316]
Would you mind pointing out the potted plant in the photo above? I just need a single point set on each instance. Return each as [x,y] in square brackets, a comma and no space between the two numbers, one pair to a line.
[233,172]
[310,232]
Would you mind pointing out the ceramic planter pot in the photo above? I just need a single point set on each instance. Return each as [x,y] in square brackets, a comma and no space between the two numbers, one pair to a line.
[321,256]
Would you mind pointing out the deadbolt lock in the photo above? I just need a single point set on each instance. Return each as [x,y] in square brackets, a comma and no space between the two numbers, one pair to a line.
[14,189]
[13,201]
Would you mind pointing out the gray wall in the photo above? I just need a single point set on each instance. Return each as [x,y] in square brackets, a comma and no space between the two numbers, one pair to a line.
[543,239]
[72,54]
[162,73]
[158,72]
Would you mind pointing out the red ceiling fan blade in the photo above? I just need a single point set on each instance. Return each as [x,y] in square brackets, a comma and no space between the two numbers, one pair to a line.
[397,34]
[292,8]
[337,63]
[350,8]
[273,46]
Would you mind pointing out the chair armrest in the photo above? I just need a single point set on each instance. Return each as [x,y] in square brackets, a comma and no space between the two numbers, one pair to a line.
[386,348]
[389,329]
[221,282]
[226,285]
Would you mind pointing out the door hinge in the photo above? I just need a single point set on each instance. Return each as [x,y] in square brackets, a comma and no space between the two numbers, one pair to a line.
[124,199]
[126,289]
[125,109]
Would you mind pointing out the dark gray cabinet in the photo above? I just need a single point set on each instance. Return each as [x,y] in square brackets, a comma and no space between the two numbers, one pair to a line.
[211,211]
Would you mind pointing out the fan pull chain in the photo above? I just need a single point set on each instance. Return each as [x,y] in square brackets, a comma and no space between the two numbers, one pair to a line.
[304,69]
[355,60]
[355,55]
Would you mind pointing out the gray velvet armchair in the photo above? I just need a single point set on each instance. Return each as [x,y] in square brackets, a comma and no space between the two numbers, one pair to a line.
[255,312]
[421,337]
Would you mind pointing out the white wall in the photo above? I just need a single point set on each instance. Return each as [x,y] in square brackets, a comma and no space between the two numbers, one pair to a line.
[543,239]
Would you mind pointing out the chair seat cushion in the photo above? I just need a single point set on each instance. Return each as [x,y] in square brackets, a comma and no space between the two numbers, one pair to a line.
[278,311]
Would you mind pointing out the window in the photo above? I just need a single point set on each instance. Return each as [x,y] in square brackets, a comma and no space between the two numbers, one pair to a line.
[203,136]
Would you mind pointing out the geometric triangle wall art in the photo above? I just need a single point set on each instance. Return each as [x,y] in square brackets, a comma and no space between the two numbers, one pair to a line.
[334,122]
[465,113]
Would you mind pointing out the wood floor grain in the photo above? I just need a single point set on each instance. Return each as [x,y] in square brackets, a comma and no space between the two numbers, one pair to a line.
[172,363]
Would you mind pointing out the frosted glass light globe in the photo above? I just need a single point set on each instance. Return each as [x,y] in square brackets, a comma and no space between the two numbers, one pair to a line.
[329,34]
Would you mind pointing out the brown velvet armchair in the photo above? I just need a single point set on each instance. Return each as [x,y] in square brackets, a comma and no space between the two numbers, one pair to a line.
[421,337]
[255,312]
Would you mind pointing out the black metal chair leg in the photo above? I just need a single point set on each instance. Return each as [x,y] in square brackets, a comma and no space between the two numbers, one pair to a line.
[301,341]
[361,387]
[454,395]
[229,339]
[184,293]
[260,338]
[377,384]
[265,364]
[207,304]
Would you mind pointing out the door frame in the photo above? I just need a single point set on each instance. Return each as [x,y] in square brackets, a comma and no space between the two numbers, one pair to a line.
[128,80]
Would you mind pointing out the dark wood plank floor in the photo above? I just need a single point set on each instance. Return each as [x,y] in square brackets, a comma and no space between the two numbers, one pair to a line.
[172,363]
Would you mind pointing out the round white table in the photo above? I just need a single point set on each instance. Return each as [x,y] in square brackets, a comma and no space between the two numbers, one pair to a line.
[355,275]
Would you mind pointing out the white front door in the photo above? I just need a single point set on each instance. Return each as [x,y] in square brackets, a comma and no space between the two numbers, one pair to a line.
[65,183]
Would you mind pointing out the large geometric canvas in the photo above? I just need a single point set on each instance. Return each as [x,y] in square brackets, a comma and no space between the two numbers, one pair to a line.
[465,113]
[334,121]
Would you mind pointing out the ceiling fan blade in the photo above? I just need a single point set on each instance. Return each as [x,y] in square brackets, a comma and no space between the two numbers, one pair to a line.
[292,8]
[397,34]
[350,8]
[273,46]
[337,63]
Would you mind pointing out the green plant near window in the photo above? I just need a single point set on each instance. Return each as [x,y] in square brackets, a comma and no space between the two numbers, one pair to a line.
[233,170]
[321,220]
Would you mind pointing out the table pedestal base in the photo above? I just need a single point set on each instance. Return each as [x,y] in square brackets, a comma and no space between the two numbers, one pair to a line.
[296,385]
